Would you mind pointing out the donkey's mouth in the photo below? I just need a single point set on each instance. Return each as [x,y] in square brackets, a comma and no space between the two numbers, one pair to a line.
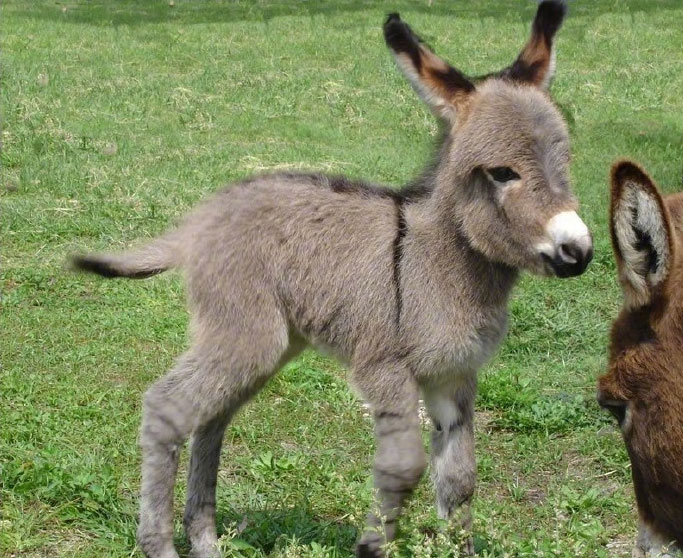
[568,246]
[568,261]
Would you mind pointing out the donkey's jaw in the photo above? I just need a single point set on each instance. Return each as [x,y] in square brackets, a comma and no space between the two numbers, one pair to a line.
[567,248]
[651,544]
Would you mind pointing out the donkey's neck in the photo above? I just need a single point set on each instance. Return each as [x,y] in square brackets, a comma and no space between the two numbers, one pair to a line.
[448,254]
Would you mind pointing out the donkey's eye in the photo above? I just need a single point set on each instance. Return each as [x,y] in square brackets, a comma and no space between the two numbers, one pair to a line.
[616,408]
[618,412]
[503,174]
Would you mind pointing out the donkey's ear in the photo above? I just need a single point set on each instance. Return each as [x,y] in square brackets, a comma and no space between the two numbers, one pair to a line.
[641,234]
[442,87]
[536,63]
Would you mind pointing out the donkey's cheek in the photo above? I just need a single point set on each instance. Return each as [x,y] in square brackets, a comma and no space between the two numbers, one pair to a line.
[510,194]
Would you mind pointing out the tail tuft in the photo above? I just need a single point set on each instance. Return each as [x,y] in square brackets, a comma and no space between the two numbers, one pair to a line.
[106,266]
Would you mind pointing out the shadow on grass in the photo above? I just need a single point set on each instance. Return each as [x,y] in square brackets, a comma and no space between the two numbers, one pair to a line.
[130,12]
[266,529]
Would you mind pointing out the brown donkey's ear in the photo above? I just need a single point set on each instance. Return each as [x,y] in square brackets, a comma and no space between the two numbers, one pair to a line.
[536,63]
[442,87]
[641,234]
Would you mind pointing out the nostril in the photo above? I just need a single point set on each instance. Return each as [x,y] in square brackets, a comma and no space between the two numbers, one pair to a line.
[570,259]
[569,253]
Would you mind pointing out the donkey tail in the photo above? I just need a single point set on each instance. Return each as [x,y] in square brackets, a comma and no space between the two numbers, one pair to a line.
[153,258]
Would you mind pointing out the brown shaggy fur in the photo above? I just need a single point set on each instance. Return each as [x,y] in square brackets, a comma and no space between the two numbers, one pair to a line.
[644,385]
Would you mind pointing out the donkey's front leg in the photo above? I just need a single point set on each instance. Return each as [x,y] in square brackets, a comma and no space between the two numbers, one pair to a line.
[392,392]
[454,469]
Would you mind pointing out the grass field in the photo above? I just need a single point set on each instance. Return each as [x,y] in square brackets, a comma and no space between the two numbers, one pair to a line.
[118,116]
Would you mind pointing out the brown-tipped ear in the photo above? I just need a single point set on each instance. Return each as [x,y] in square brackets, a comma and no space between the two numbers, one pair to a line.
[442,87]
[536,63]
[641,234]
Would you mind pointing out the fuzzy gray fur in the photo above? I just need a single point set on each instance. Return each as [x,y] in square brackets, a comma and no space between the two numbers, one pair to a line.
[409,288]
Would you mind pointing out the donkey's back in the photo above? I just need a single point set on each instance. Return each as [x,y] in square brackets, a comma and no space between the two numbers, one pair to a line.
[317,249]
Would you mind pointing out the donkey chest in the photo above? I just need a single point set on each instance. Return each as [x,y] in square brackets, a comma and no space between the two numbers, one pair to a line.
[458,344]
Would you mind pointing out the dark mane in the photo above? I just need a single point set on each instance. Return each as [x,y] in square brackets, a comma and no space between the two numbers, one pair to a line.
[417,189]
[344,185]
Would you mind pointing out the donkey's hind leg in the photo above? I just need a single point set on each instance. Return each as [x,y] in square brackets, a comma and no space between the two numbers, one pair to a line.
[199,518]
[454,469]
[207,386]
[392,392]
[167,421]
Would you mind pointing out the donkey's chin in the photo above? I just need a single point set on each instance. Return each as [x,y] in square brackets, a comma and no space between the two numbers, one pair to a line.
[547,266]
[559,267]
[653,545]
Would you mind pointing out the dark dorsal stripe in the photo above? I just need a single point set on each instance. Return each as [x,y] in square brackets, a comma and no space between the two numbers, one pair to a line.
[414,191]
[411,192]
[401,228]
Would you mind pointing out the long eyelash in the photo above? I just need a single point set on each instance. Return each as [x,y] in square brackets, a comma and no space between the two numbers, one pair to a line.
[503,174]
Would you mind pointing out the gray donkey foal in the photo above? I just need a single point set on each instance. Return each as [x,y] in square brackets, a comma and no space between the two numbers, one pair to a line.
[409,287]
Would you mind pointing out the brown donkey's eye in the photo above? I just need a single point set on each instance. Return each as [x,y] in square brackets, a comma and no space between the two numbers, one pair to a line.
[503,174]
[618,412]
[616,408]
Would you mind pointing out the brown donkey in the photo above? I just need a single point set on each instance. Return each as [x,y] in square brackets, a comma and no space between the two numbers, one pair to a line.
[409,287]
[644,386]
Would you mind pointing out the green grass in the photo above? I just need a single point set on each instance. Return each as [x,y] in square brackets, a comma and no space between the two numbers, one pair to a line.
[118,116]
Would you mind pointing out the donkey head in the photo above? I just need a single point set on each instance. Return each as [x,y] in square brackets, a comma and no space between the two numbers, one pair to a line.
[644,386]
[503,173]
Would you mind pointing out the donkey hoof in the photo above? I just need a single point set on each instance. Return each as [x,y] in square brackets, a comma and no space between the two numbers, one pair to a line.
[468,547]
[368,550]
[206,551]
[156,545]
[205,545]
